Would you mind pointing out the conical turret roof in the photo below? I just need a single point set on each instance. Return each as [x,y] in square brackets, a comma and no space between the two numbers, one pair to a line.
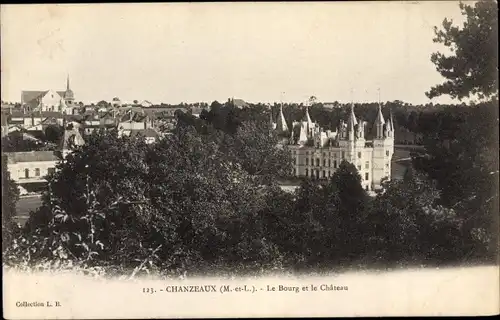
[351,121]
[307,118]
[390,123]
[380,116]
[280,121]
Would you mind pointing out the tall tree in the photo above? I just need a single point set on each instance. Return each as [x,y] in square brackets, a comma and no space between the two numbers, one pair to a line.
[472,67]
[461,147]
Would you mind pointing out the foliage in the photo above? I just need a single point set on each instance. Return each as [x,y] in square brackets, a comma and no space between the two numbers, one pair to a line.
[16,142]
[461,148]
[202,199]
[473,66]
[54,133]
[179,205]
[407,224]
[320,225]
[249,143]
[10,196]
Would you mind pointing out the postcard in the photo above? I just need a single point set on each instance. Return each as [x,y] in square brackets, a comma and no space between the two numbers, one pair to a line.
[270,159]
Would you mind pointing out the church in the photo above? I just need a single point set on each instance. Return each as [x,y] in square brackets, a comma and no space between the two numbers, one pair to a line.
[317,153]
[49,100]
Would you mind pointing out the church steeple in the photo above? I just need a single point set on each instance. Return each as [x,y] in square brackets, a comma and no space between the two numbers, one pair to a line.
[69,96]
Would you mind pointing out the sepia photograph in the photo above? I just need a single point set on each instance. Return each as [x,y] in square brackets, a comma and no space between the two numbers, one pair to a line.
[253,159]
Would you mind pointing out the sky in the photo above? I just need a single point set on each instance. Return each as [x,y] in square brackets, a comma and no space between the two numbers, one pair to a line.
[193,52]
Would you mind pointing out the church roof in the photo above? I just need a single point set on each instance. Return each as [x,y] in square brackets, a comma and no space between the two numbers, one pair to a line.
[30,96]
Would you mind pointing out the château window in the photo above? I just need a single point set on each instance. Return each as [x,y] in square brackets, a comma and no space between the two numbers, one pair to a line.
[324,174]
[367,165]
[335,164]
[37,172]
[367,176]
[343,154]
[387,152]
[307,162]
[307,172]
[329,163]
[359,155]
[324,162]
[26,173]
[317,162]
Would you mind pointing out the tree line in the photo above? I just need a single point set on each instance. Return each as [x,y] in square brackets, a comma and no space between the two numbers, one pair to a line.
[205,198]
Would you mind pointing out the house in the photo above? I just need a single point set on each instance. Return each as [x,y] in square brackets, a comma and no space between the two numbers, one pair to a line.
[149,134]
[97,120]
[133,121]
[32,166]
[34,121]
[16,118]
[37,121]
